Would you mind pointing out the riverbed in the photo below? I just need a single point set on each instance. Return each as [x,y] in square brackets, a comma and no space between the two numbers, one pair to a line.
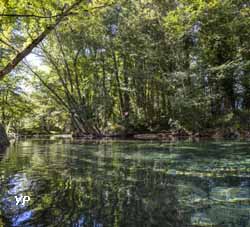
[125,183]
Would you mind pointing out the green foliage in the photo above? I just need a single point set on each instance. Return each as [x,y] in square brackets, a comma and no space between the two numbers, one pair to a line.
[15,104]
[132,66]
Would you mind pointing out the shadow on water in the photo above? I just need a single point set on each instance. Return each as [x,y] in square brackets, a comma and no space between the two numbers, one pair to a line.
[125,184]
[2,152]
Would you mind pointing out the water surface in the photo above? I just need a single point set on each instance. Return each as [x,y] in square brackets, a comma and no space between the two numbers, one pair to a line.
[126,183]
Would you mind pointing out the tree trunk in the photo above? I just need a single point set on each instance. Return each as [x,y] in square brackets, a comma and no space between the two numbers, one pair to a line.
[4,141]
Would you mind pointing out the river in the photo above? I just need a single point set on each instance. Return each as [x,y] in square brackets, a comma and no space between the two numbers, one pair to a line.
[125,183]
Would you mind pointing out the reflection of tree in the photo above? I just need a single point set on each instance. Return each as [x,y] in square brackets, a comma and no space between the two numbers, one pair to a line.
[81,186]
[110,184]
[116,184]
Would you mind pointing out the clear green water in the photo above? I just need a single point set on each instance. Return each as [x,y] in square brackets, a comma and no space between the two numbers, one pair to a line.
[126,183]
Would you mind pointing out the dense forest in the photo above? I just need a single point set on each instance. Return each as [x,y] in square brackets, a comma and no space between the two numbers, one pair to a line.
[124,67]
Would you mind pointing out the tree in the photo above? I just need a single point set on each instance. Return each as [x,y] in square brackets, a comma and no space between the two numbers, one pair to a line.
[15,34]
[139,66]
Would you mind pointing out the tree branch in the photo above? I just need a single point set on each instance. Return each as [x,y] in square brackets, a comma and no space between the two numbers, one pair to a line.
[28,15]
[49,17]
[20,56]
[9,45]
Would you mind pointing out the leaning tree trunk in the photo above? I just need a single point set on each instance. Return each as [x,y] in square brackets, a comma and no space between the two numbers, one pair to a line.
[4,141]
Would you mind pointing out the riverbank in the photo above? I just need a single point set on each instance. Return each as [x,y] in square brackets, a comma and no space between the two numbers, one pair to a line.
[227,133]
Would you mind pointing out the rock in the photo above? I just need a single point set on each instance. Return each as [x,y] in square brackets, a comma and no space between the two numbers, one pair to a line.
[201,219]
[231,134]
[231,194]
[146,136]
[4,141]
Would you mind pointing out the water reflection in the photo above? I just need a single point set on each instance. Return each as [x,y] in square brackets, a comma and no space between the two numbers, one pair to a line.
[126,184]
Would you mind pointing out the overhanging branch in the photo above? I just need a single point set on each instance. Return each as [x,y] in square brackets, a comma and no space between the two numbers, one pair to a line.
[20,56]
